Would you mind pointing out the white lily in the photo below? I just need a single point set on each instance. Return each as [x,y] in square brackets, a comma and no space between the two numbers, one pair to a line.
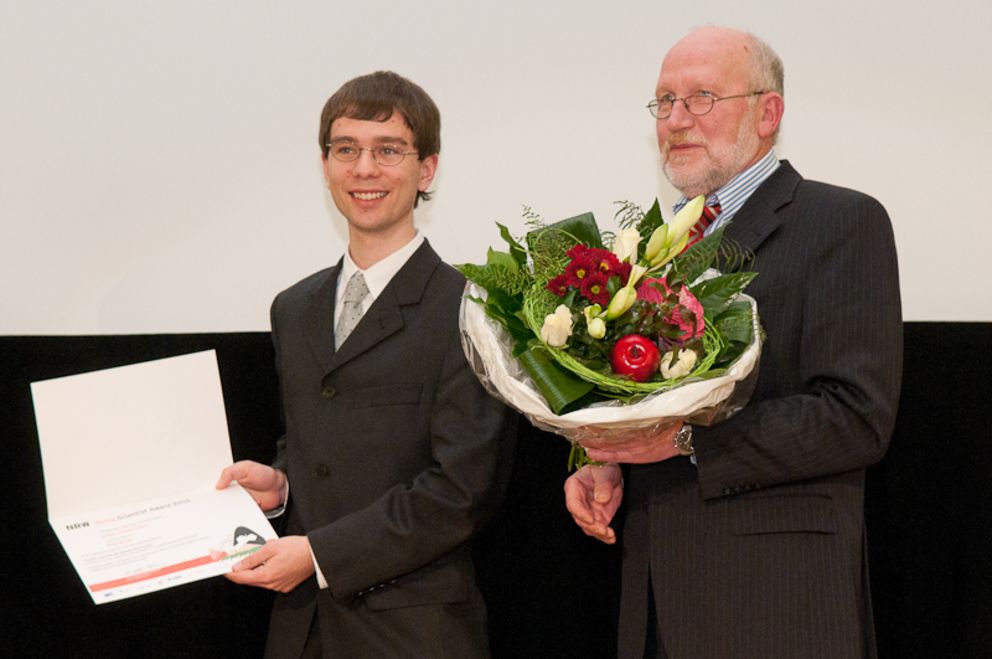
[636,272]
[687,217]
[623,299]
[670,238]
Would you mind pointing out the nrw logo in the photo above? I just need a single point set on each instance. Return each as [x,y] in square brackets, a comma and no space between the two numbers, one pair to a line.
[77,525]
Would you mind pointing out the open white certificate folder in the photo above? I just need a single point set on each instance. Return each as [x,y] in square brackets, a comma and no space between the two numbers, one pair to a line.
[130,456]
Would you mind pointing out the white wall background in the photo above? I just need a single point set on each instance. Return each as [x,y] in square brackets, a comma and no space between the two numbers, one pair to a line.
[159,169]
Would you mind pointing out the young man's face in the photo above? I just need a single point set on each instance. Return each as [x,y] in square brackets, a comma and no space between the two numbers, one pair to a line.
[375,198]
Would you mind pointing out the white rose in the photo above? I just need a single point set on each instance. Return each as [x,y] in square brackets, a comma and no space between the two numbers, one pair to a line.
[557,327]
[625,244]
[685,362]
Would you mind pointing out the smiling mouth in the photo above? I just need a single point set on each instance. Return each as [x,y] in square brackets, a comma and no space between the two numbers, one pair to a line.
[368,196]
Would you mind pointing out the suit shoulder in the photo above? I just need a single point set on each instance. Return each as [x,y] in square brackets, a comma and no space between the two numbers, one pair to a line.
[447,280]
[810,191]
[835,215]
[306,286]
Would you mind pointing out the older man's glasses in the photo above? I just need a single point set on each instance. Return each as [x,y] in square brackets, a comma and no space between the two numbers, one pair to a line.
[697,104]
[387,155]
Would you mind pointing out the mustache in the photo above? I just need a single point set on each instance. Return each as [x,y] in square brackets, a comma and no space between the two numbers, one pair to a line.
[680,139]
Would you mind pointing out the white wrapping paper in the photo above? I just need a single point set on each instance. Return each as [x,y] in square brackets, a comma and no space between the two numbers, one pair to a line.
[487,346]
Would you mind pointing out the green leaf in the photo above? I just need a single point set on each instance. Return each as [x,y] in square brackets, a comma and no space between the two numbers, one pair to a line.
[736,323]
[496,277]
[736,326]
[647,226]
[698,258]
[515,327]
[517,251]
[559,386]
[716,294]
[502,259]
[579,229]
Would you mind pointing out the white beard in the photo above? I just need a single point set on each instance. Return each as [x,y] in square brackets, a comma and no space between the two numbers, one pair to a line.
[724,163]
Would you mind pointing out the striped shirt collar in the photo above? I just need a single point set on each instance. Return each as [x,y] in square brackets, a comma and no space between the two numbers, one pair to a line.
[737,190]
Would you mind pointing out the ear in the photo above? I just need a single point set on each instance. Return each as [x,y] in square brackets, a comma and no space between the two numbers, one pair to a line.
[770,113]
[428,166]
[325,165]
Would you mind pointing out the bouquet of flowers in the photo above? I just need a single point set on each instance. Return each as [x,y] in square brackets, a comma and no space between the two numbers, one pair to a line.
[589,332]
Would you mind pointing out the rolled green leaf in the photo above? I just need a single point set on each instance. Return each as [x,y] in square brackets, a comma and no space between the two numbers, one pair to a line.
[558,386]
[582,228]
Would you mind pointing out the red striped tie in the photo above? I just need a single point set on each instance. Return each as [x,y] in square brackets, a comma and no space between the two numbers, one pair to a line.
[705,219]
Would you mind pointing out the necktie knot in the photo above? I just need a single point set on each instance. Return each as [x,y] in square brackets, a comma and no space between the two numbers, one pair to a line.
[351,308]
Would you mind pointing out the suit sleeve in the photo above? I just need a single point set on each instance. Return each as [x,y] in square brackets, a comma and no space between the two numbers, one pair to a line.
[827,404]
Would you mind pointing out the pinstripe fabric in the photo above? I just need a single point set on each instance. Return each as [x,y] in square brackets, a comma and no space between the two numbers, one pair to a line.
[758,551]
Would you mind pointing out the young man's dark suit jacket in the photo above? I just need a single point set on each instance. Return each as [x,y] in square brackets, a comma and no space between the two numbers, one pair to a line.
[759,551]
[396,456]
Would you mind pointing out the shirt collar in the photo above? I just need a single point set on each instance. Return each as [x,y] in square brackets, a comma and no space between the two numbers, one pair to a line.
[378,276]
[737,190]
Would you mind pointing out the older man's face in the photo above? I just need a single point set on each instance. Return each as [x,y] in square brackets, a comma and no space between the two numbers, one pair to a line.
[702,153]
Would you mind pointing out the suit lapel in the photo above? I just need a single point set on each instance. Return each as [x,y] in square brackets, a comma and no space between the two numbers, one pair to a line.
[384,318]
[759,216]
[320,318]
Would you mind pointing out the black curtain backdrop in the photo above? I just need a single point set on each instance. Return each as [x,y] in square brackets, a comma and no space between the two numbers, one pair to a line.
[551,591]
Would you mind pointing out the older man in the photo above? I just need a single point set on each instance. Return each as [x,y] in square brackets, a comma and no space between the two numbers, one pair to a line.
[746,538]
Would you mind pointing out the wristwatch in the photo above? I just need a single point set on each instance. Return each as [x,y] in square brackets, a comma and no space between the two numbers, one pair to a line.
[683,440]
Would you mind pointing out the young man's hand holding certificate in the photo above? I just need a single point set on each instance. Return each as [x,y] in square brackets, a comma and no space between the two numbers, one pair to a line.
[131,457]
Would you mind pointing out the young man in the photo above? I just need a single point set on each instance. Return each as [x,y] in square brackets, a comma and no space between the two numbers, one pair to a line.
[394,455]
[746,539]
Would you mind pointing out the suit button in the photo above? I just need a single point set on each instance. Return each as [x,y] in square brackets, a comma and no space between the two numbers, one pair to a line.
[320,471]
[328,392]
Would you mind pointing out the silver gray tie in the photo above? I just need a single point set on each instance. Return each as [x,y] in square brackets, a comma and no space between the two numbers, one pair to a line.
[351,308]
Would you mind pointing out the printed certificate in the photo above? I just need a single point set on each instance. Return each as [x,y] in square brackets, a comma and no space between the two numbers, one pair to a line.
[130,456]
